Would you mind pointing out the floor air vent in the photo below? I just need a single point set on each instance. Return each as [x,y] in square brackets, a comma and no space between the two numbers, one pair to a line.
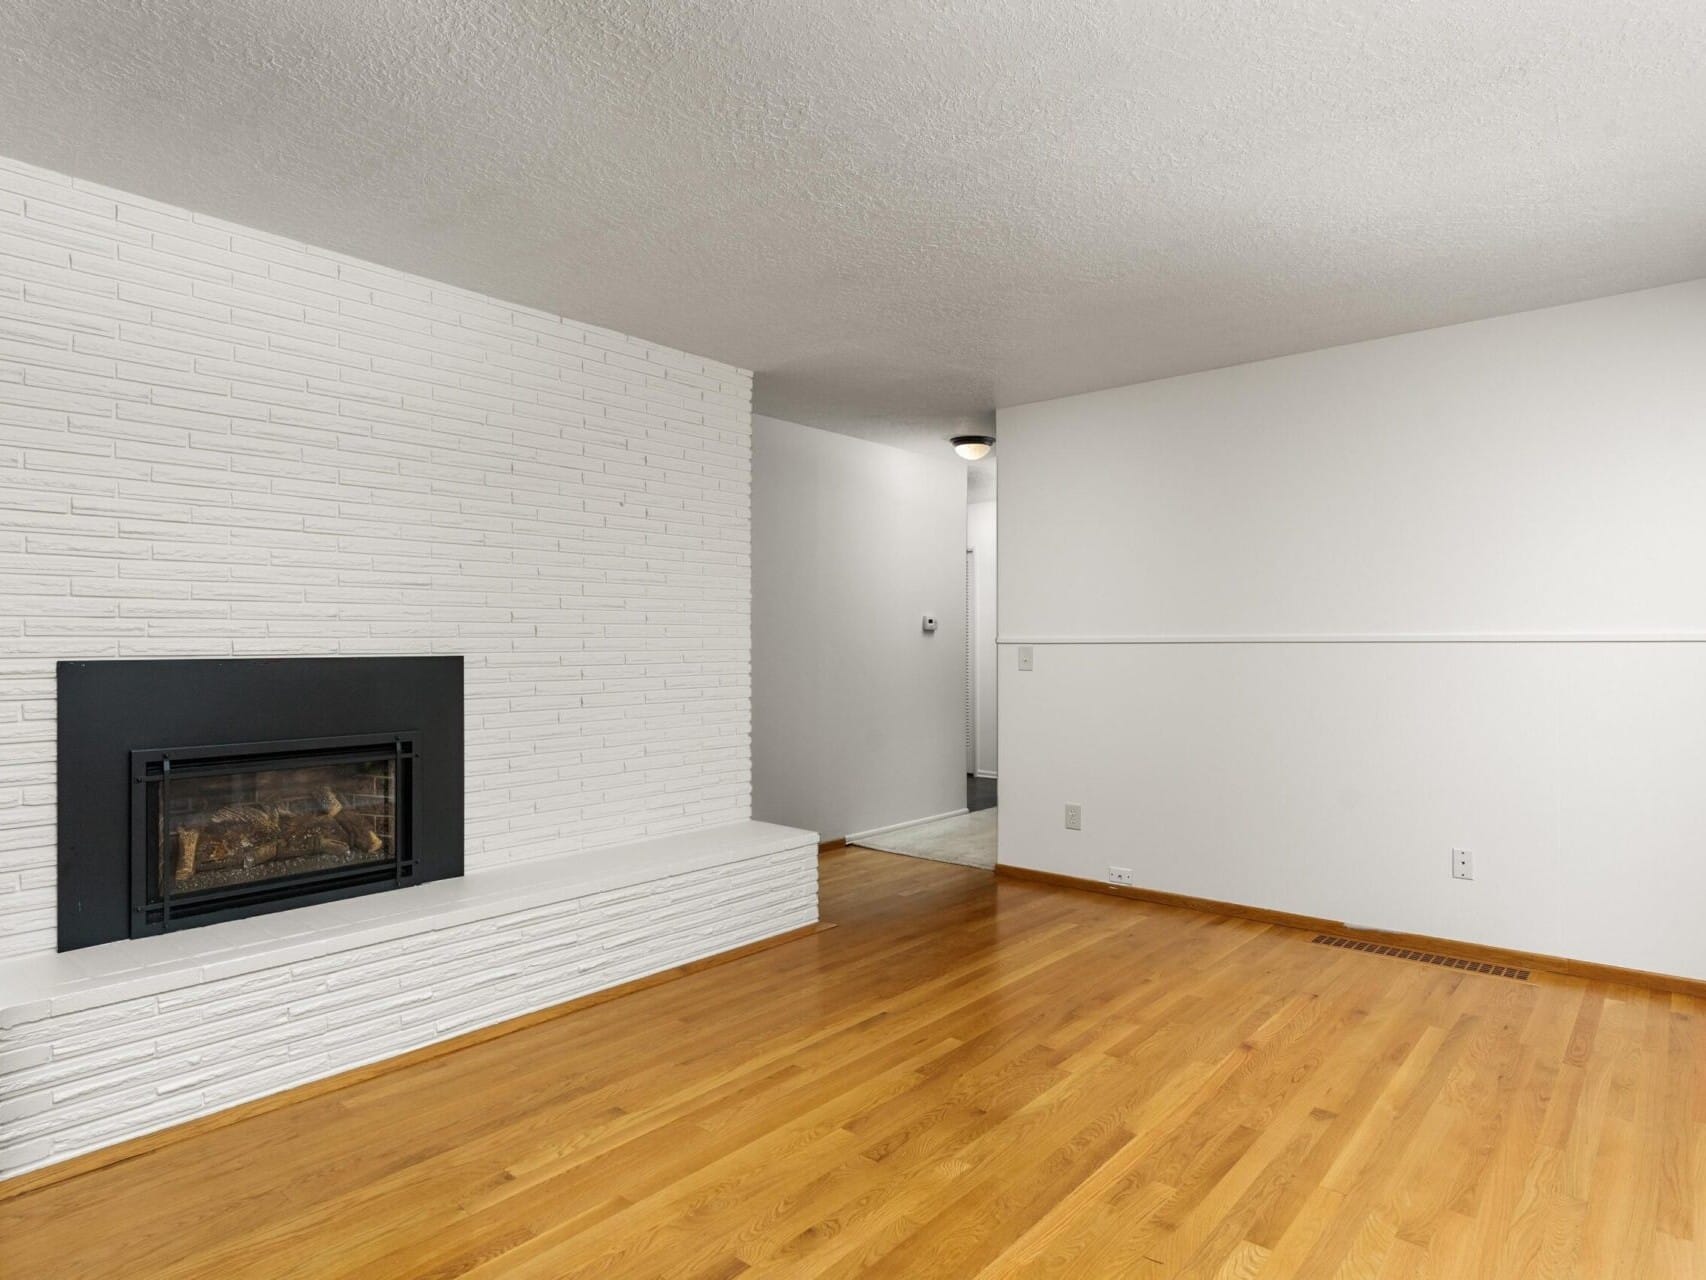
[1423,957]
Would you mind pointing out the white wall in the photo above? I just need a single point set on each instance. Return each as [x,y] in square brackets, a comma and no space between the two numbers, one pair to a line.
[215,442]
[858,715]
[1515,507]
[980,538]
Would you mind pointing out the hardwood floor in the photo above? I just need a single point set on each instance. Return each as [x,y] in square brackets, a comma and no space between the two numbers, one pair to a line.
[968,1077]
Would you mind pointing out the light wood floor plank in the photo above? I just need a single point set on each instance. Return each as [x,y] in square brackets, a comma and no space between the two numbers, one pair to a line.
[967,1077]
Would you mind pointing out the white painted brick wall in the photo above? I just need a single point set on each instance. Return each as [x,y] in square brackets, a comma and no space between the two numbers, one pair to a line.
[215,442]
[80,1080]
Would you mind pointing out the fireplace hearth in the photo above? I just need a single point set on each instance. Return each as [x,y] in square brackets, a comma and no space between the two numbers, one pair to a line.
[199,791]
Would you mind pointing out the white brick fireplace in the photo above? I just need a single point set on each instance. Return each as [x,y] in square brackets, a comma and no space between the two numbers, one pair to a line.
[219,443]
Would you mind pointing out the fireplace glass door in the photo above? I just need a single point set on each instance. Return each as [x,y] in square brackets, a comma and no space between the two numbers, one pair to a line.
[221,830]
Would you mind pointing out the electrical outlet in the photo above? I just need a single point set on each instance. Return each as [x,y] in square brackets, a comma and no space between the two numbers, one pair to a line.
[1121,875]
[1462,864]
[1075,817]
[1027,657]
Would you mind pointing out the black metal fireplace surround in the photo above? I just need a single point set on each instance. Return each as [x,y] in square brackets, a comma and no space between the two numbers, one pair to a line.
[194,791]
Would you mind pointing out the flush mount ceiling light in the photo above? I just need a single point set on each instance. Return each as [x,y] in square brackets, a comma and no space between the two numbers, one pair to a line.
[971,448]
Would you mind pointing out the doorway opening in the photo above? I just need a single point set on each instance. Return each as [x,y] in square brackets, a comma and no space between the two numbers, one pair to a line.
[980,784]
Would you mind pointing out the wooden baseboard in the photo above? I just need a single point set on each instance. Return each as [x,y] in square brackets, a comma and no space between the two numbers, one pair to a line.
[830,846]
[1561,965]
[36,1179]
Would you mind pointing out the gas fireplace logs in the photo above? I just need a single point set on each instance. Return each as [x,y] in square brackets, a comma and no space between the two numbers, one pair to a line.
[250,835]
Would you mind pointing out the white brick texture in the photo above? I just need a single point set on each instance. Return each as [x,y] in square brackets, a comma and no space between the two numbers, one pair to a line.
[79,1080]
[215,442]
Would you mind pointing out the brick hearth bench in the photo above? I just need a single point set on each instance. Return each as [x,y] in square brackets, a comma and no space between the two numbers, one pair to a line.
[105,1044]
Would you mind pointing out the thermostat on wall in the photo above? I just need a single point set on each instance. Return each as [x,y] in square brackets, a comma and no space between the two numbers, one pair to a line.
[929,622]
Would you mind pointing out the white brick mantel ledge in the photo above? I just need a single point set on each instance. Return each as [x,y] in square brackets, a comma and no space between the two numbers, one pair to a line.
[43,986]
[108,1043]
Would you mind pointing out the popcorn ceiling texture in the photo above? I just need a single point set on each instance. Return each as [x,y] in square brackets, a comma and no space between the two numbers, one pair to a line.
[215,442]
[905,214]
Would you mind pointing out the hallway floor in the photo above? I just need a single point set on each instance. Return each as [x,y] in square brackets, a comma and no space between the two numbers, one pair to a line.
[967,839]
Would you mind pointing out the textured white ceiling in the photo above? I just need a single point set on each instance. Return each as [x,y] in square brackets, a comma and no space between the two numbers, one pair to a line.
[902,214]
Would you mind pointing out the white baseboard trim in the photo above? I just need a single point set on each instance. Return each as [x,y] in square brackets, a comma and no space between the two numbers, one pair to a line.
[856,836]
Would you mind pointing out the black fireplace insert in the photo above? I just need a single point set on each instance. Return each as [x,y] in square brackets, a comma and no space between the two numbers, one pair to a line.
[198,791]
